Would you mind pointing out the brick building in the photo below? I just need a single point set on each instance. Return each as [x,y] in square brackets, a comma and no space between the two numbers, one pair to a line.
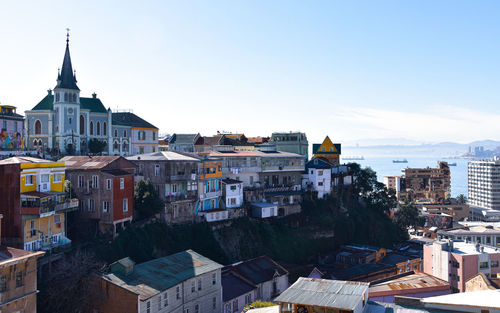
[105,188]
[428,184]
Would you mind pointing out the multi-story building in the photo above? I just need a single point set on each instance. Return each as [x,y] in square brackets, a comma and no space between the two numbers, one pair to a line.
[270,278]
[183,142]
[35,203]
[65,122]
[484,190]
[294,142]
[428,184]
[180,283]
[11,129]
[456,262]
[270,175]
[18,276]
[484,234]
[175,177]
[328,150]
[237,291]
[232,191]
[394,183]
[318,177]
[210,190]
[105,188]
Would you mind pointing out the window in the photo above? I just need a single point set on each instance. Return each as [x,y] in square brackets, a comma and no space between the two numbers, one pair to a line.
[57,218]
[235,305]
[15,126]
[154,149]
[455,264]
[91,205]
[116,132]
[494,263]
[95,181]
[138,135]
[154,136]
[248,298]
[143,135]
[178,293]
[80,181]
[122,183]
[193,288]
[44,178]
[199,284]
[483,265]
[82,125]
[165,299]
[214,303]
[214,280]
[196,308]
[91,128]
[125,205]
[38,127]
[3,283]
[157,169]
[98,128]
[320,173]
[29,179]
[108,184]
[57,178]
[124,133]
[105,207]
[148,307]
[57,97]
[104,128]
[19,279]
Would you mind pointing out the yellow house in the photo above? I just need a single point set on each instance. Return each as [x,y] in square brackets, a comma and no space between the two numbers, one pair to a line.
[44,204]
[328,150]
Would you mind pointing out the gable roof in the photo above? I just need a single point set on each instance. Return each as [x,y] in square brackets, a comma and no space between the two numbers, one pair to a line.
[130,119]
[182,139]
[318,163]
[325,293]
[327,143]
[259,270]
[155,276]
[234,286]
[210,141]
[93,104]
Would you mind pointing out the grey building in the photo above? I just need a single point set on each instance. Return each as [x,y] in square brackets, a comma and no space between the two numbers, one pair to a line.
[294,142]
[180,283]
[183,142]
[175,177]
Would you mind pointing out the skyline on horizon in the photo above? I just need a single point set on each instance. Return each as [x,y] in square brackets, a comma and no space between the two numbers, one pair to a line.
[427,72]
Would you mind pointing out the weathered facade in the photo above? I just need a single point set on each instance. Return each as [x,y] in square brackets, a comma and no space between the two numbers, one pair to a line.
[427,184]
[11,129]
[175,177]
[105,187]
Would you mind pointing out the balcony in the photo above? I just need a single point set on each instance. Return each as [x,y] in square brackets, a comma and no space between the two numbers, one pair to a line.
[210,194]
[41,203]
[174,197]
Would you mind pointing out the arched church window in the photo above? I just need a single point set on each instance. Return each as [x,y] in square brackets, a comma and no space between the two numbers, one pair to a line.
[38,127]
[115,146]
[57,97]
[35,143]
[116,132]
[124,133]
[40,143]
[91,128]
[66,97]
[104,128]
[82,125]
[74,97]
[98,128]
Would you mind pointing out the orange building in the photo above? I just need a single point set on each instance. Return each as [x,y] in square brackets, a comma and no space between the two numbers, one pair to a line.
[328,150]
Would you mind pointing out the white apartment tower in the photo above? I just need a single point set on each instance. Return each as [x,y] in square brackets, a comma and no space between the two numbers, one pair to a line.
[484,189]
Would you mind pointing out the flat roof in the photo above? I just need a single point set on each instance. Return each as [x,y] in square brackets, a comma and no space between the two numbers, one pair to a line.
[253,153]
[479,299]
[163,156]
[325,293]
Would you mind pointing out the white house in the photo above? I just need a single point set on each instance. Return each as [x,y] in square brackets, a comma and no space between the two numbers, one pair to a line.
[318,177]
[264,209]
[232,191]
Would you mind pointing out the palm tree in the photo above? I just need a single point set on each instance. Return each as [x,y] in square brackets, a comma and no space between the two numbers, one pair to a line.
[461,199]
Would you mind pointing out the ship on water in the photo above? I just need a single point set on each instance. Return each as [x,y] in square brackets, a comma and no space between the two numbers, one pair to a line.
[400,161]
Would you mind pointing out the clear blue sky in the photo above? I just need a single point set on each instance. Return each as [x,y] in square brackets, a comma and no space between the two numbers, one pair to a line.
[423,70]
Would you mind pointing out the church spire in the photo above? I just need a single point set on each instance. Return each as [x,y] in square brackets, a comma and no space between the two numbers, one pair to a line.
[66,79]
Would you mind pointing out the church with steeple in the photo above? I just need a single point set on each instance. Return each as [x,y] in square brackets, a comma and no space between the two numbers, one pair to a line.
[64,123]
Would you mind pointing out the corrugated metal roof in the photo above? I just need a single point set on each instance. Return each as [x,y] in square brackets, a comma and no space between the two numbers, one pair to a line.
[155,276]
[163,156]
[325,293]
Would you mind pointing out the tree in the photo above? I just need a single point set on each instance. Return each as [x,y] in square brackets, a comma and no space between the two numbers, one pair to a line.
[70,285]
[408,216]
[461,199]
[96,146]
[147,202]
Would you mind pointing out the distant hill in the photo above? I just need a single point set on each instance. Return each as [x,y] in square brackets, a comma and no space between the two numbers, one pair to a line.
[442,149]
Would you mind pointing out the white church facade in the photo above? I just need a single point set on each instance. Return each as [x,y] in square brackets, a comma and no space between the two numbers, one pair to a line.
[63,122]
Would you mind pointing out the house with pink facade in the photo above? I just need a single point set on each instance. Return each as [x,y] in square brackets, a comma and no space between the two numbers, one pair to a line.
[456,262]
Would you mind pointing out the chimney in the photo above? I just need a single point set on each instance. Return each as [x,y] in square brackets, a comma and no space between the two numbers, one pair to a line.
[482,249]
[477,246]
[450,244]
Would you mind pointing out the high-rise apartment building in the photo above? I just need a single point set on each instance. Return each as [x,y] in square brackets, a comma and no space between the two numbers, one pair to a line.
[484,189]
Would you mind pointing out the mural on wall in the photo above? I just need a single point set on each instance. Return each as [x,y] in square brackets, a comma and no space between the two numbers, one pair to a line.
[11,142]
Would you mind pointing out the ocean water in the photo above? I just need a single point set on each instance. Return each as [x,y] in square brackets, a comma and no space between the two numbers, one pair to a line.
[384,167]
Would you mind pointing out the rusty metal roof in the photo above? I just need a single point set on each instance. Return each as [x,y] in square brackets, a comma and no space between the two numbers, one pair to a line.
[417,282]
[155,276]
[325,293]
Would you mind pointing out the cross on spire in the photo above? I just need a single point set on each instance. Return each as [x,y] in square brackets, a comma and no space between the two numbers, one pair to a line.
[67,35]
